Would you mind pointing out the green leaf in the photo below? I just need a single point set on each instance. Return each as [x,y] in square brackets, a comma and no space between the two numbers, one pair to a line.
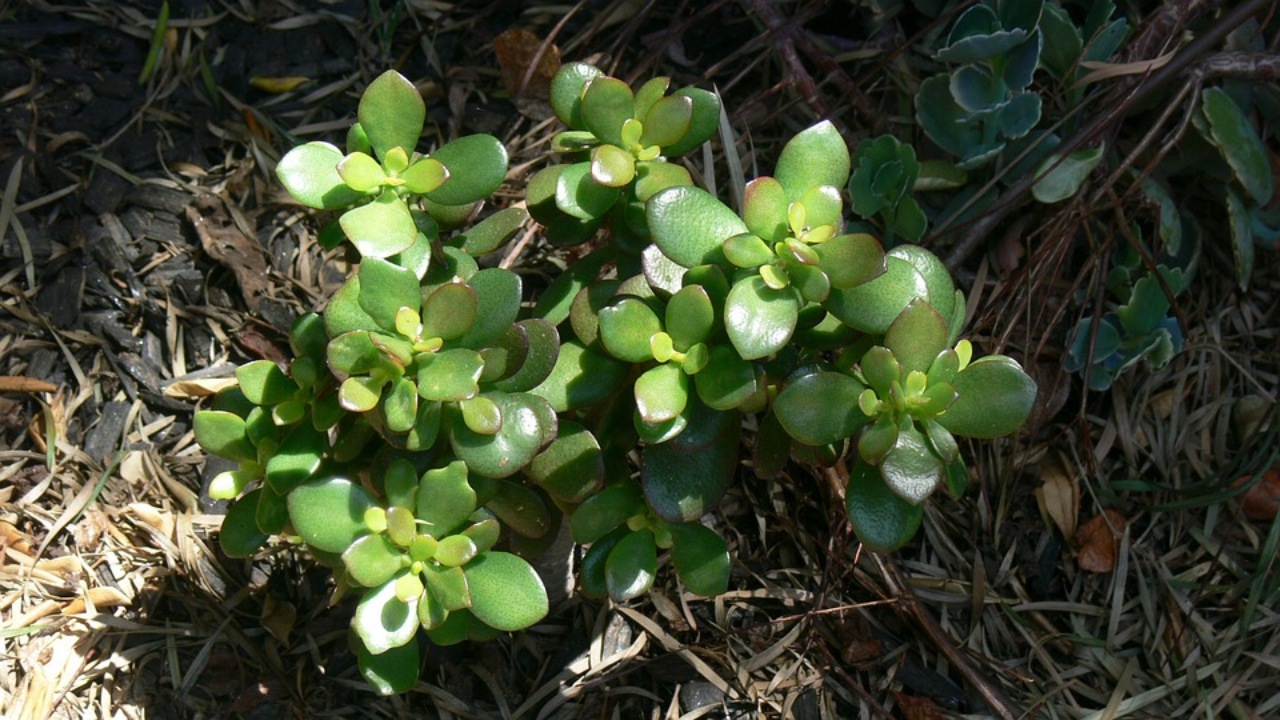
[445,499]
[632,566]
[490,234]
[702,125]
[424,176]
[360,393]
[383,621]
[604,511]
[448,586]
[566,92]
[343,313]
[449,311]
[606,104]
[450,375]
[391,112]
[653,176]
[701,558]
[521,509]
[881,519]
[543,348]
[612,166]
[942,290]
[764,209]
[581,378]
[393,672]
[372,560]
[240,536]
[329,514]
[686,476]
[297,459]
[816,156]
[1060,178]
[477,165]
[456,551]
[911,469]
[385,288]
[625,328]
[592,572]
[506,592]
[572,467]
[995,398]
[481,415]
[580,195]
[381,228]
[361,172]
[942,119]
[759,319]
[310,173]
[1240,220]
[1239,144]
[851,260]
[917,336]
[820,408]
[690,317]
[667,122]
[872,306]
[223,434]
[688,224]
[727,381]
[511,448]
[649,94]
[747,251]
[498,306]
[661,393]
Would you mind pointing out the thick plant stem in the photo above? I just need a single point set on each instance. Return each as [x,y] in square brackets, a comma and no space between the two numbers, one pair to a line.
[1197,49]
[909,605]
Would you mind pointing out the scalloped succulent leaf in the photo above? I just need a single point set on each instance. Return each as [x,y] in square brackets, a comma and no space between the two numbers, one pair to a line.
[661,393]
[445,499]
[702,125]
[450,311]
[668,121]
[916,336]
[625,328]
[513,446]
[566,92]
[606,104]
[223,434]
[372,560]
[385,288]
[872,306]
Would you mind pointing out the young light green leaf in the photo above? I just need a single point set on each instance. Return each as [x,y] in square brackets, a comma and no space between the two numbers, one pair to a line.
[391,112]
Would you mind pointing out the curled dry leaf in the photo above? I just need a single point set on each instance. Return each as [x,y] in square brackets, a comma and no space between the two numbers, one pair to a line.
[1098,541]
[1059,493]
[1261,501]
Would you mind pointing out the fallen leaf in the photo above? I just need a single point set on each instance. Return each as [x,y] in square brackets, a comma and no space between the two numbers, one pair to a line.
[1059,493]
[18,383]
[196,389]
[517,50]
[277,85]
[102,597]
[1261,501]
[225,243]
[1097,541]
[917,708]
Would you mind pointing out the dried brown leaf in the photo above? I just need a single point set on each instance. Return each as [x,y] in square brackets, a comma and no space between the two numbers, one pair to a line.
[917,708]
[1098,541]
[1261,501]
[521,54]
[1059,493]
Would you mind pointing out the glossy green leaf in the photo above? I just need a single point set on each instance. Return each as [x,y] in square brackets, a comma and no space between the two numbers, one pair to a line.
[690,317]
[385,288]
[612,166]
[343,313]
[995,398]
[297,459]
[223,434]
[816,156]
[881,519]
[911,469]
[310,173]
[580,195]
[632,566]
[263,383]
[456,551]
[606,104]
[381,228]
[498,305]
[521,509]
[661,393]
[383,621]
[450,375]
[703,124]
[764,209]
[1240,220]
[572,467]
[394,671]
[688,224]
[942,119]
[391,112]
[1239,144]
[701,558]
[361,172]
[916,336]
[1060,178]
[653,176]
[759,319]
[539,360]
[506,592]
[726,381]
[240,535]
[592,572]
[424,176]
[937,278]
[481,415]
[820,408]
[360,393]
[581,378]
[626,326]
[492,233]
[872,306]
[668,121]
[747,251]
[566,92]
[372,560]
[445,499]
[662,273]
[513,446]
[684,478]
[329,514]
[851,260]
[449,586]
[476,165]
[604,511]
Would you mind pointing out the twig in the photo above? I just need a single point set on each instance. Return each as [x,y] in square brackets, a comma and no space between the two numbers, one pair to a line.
[1009,199]
[910,606]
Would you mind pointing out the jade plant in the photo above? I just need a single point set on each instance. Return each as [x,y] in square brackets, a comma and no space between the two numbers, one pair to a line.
[438,426]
